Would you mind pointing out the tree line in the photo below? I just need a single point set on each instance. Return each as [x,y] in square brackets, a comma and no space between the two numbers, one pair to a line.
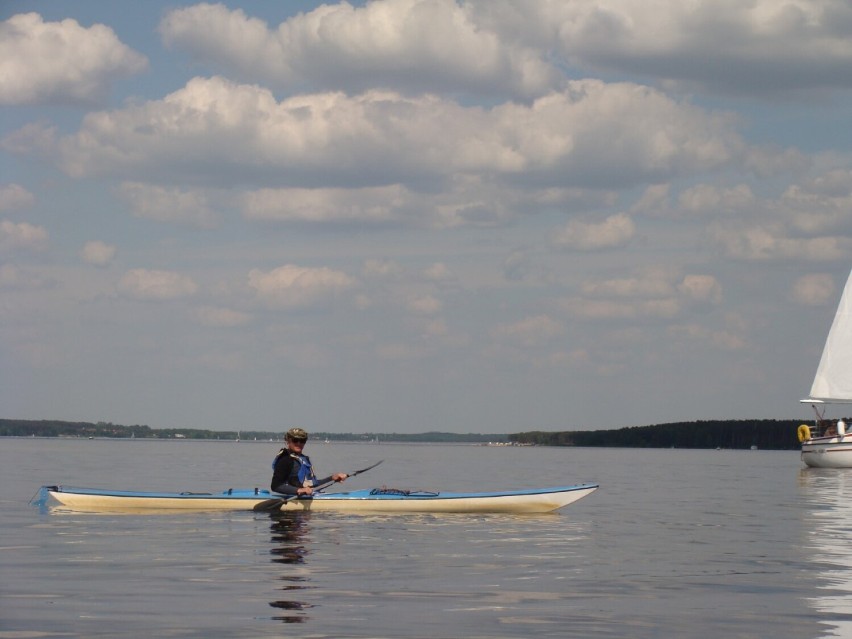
[56,428]
[764,434]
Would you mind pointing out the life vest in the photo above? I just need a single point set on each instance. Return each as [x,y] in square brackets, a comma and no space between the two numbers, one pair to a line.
[305,475]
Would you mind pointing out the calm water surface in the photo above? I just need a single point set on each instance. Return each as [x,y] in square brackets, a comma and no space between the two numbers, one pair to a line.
[675,543]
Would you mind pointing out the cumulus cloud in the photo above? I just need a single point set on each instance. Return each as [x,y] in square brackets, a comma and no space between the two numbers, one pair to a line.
[365,205]
[218,317]
[9,276]
[614,232]
[97,253]
[14,196]
[13,277]
[583,308]
[424,305]
[530,331]
[671,40]
[292,286]
[771,242]
[810,221]
[516,266]
[153,285]
[400,351]
[463,200]
[181,206]
[648,286]
[492,46]
[706,199]
[439,272]
[821,205]
[594,135]
[656,294]
[37,139]
[816,289]
[382,268]
[436,327]
[726,340]
[654,201]
[384,43]
[701,288]
[835,183]
[60,62]
[22,236]
[769,161]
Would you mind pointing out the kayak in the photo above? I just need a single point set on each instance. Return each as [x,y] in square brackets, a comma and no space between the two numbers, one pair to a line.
[383,500]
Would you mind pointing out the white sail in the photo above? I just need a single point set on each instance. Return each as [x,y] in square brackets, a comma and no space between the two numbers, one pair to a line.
[833,380]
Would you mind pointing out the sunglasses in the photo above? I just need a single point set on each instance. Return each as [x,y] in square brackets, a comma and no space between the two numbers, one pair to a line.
[298,440]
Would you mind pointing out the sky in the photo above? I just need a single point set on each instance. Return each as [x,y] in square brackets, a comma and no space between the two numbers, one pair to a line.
[411,215]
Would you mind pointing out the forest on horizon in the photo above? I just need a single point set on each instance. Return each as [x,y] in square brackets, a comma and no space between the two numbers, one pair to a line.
[764,434]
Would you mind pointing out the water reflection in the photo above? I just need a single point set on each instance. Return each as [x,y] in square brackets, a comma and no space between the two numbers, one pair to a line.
[290,546]
[829,544]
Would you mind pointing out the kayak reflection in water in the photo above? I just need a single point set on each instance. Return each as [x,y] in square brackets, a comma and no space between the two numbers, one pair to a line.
[288,532]
[289,547]
[293,473]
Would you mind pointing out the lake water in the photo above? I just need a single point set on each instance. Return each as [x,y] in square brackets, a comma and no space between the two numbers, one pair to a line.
[675,543]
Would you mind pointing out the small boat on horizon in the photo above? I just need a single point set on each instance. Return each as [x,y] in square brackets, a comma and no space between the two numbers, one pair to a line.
[828,443]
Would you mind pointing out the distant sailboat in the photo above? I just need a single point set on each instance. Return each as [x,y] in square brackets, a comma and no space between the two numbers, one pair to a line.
[829,445]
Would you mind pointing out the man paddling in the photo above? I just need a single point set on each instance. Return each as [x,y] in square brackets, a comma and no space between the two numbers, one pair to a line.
[293,473]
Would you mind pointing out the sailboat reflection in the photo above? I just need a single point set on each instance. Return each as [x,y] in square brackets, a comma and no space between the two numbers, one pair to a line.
[829,494]
[290,546]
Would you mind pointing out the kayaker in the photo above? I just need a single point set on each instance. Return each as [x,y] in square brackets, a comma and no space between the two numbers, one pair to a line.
[293,473]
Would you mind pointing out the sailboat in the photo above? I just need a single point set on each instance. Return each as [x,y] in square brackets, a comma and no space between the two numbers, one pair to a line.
[829,444]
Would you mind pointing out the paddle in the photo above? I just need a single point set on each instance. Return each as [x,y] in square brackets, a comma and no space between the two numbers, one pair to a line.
[274,505]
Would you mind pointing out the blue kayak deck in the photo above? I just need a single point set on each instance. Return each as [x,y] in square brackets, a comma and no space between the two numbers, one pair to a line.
[262,493]
[75,499]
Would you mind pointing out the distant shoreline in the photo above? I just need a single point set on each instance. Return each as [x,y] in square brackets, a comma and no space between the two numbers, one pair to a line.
[763,434]
[279,442]
[107,430]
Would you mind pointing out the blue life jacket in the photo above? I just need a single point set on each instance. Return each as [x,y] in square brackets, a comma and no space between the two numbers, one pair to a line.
[306,469]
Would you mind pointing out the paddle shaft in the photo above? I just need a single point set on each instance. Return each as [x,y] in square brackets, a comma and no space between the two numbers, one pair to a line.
[274,505]
[348,475]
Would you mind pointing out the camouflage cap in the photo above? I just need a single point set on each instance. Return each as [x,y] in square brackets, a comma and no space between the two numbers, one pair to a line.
[296,433]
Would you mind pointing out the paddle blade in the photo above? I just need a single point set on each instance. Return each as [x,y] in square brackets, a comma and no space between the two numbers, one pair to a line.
[269,506]
[364,470]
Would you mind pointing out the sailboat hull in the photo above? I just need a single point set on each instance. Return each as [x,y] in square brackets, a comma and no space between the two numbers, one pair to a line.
[828,452]
[832,446]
